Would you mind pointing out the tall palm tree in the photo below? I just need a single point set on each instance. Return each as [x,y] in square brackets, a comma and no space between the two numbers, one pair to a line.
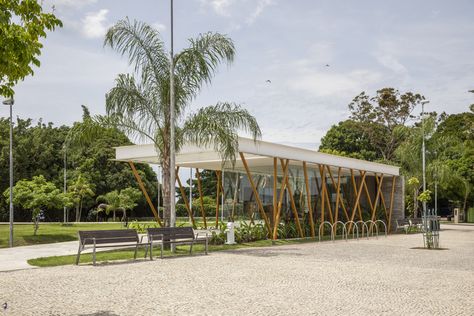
[139,102]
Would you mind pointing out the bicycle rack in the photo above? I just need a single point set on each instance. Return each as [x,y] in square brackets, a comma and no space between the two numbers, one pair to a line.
[353,230]
[322,225]
[367,227]
[373,224]
[344,231]
[385,226]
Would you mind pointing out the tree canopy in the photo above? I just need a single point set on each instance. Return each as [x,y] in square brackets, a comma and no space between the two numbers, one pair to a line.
[22,25]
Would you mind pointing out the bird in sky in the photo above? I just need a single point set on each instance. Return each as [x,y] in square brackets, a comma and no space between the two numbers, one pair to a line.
[268,81]
[327,65]
[5,306]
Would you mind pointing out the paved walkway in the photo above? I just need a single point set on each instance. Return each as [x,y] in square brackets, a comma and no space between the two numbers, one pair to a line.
[388,276]
[16,258]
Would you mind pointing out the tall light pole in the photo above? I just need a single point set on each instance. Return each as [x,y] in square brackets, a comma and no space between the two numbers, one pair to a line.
[65,179]
[172,145]
[10,103]
[423,150]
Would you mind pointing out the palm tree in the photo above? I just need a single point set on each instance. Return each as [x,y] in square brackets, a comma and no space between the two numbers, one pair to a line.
[139,103]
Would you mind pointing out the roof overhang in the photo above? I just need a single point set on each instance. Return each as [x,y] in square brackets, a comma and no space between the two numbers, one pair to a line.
[258,154]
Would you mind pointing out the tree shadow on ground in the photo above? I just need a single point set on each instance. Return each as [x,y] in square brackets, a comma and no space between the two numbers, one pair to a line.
[266,252]
[47,239]
[100,313]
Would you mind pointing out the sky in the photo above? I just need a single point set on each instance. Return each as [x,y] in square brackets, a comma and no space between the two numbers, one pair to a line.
[422,46]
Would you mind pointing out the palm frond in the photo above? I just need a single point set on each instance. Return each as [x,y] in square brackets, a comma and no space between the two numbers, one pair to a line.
[143,46]
[197,64]
[217,126]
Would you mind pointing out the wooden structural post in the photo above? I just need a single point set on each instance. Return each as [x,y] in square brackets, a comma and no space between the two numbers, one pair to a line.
[359,193]
[183,195]
[391,204]
[255,192]
[382,199]
[145,193]
[218,195]
[308,198]
[354,186]
[201,201]
[293,207]
[338,190]
[275,182]
[377,196]
[280,199]
[323,192]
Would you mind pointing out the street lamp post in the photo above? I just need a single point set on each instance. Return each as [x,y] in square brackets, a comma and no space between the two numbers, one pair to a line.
[423,150]
[172,131]
[10,103]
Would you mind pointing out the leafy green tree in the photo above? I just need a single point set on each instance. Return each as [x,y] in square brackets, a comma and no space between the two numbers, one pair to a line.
[22,25]
[348,138]
[37,194]
[384,116]
[80,189]
[139,104]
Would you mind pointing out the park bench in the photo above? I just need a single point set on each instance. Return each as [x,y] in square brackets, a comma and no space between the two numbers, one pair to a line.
[107,239]
[174,236]
[403,224]
[416,223]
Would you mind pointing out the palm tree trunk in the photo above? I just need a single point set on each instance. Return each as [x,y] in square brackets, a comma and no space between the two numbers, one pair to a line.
[167,194]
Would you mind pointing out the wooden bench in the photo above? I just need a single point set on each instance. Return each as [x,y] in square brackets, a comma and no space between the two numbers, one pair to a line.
[106,239]
[403,224]
[416,223]
[174,236]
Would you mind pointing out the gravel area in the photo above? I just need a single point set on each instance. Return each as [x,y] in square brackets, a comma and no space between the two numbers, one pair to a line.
[384,276]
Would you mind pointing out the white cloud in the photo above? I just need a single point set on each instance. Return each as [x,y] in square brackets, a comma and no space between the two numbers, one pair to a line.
[159,26]
[244,10]
[94,24]
[75,4]
[220,7]
[261,5]
[391,63]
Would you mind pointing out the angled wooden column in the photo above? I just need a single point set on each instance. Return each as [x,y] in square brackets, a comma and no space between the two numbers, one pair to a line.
[338,191]
[337,188]
[377,196]
[293,207]
[280,199]
[185,199]
[145,193]
[318,188]
[354,186]
[323,192]
[328,200]
[308,197]
[218,196]
[201,201]
[367,193]
[382,199]
[275,182]
[359,193]
[257,197]
[391,204]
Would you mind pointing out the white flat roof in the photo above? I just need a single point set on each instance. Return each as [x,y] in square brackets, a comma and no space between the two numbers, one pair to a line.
[259,155]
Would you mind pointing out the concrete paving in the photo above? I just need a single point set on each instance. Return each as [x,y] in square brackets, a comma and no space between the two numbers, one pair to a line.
[16,258]
[384,276]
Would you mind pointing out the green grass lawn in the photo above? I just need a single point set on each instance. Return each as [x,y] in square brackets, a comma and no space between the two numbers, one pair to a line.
[51,233]
[127,254]
[47,233]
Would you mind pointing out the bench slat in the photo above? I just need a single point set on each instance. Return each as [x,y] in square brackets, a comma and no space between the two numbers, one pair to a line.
[108,236]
